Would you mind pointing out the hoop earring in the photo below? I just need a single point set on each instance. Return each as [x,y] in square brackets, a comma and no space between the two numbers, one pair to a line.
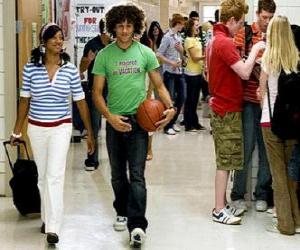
[42,53]
[42,49]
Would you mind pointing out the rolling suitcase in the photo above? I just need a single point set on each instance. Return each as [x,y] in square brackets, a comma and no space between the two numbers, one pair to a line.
[26,196]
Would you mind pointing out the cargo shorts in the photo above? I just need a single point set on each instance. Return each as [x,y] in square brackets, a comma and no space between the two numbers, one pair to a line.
[228,139]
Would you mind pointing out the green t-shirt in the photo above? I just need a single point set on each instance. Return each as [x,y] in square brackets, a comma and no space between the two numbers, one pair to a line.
[125,73]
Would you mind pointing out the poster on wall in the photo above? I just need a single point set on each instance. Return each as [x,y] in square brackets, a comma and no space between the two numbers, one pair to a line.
[87,17]
[87,21]
[62,16]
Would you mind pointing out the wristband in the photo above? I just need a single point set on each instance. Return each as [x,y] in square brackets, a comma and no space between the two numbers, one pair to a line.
[172,107]
[15,135]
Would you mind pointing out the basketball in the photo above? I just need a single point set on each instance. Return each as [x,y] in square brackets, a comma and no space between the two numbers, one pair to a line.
[149,113]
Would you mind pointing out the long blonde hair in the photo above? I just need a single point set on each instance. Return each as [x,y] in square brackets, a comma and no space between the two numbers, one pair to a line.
[281,52]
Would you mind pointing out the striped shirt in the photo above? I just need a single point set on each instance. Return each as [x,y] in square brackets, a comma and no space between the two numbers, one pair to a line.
[168,50]
[49,101]
[251,85]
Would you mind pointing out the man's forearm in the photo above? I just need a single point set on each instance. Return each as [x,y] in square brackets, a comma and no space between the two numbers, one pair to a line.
[164,96]
[100,104]
[249,63]
[84,64]
[164,59]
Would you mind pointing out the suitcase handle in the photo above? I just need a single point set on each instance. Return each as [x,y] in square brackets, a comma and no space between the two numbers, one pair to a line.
[5,143]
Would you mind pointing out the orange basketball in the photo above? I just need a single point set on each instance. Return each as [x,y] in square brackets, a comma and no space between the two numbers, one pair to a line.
[149,113]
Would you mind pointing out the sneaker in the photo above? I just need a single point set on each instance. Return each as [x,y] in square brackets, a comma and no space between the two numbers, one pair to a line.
[234,211]
[272,211]
[241,204]
[297,230]
[272,228]
[137,237]
[181,123]
[170,131]
[261,206]
[52,238]
[176,128]
[120,223]
[90,165]
[43,228]
[225,218]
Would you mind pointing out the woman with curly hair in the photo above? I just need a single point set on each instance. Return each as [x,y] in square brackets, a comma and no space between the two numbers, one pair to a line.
[124,64]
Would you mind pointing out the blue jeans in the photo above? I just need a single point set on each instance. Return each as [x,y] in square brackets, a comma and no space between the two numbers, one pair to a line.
[95,122]
[175,84]
[130,194]
[294,164]
[253,134]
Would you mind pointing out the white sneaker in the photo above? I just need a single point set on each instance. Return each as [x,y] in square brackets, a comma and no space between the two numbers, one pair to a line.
[241,204]
[272,228]
[170,131]
[261,206]
[137,237]
[176,128]
[234,211]
[225,218]
[120,223]
[272,211]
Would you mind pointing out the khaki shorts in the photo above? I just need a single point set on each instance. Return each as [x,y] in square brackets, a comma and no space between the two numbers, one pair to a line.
[228,138]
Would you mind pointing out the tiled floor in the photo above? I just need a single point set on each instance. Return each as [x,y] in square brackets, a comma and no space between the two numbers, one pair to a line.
[180,182]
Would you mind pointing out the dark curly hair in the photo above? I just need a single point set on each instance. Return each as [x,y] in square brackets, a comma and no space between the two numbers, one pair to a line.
[121,13]
[38,54]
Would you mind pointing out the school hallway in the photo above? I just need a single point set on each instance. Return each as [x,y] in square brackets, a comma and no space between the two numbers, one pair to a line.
[180,181]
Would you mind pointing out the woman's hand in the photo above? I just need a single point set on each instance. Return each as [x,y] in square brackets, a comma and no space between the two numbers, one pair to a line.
[15,139]
[169,114]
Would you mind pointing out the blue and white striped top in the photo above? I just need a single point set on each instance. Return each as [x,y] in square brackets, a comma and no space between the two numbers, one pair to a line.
[50,99]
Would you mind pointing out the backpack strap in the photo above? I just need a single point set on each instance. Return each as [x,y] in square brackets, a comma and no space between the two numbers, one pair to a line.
[269,101]
[248,37]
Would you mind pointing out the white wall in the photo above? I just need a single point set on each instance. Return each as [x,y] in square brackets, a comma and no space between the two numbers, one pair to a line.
[2,127]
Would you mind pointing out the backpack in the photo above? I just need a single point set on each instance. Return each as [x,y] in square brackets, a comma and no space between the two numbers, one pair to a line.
[285,121]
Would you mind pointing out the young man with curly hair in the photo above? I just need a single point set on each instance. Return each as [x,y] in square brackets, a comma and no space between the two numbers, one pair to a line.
[225,70]
[124,64]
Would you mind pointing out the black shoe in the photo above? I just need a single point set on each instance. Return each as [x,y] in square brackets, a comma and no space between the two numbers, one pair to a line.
[91,165]
[200,127]
[52,238]
[43,228]
[191,130]
[181,123]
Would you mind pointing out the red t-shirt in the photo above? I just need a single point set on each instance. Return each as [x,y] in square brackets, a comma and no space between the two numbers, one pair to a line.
[225,85]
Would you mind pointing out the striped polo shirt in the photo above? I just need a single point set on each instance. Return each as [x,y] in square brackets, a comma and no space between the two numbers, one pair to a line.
[49,103]
[251,85]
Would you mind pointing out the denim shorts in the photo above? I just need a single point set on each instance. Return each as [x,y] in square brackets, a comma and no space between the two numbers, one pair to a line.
[228,138]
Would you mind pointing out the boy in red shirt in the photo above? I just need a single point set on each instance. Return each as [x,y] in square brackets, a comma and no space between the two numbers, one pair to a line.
[225,71]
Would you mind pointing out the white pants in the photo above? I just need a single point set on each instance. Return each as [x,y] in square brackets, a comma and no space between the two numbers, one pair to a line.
[50,147]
